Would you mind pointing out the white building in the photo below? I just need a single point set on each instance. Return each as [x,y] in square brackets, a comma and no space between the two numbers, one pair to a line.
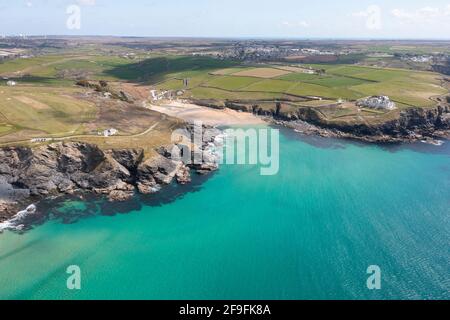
[11,83]
[157,96]
[110,132]
[38,140]
[377,102]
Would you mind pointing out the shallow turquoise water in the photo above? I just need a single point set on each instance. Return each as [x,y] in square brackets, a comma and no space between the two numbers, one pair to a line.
[309,232]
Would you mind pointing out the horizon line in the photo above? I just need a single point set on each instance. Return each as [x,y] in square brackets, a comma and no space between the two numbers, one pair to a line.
[227,37]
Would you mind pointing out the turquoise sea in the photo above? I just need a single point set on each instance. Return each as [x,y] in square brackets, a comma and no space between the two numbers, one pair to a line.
[310,232]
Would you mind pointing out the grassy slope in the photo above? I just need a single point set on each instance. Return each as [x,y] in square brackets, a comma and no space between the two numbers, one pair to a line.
[56,111]
[45,110]
[346,82]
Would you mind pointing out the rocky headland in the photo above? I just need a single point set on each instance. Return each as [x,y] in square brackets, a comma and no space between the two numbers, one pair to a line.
[414,124]
[28,175]
[408,125]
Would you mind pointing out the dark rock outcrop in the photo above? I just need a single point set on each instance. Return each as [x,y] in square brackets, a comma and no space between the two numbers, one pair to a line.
[66,168]
[409,125]
[410,122]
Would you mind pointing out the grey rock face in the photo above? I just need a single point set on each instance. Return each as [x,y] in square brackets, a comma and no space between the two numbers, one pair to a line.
[65,168]
[411,122]
[162,169]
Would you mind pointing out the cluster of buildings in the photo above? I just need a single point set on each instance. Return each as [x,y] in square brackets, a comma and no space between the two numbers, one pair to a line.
[166,95]
[255,52]
[157,96]
[12,53]
[420,59]
[377,102]
[129,55]
[309,71]
[434,58]
[316,52]
[260,51]
[40,140]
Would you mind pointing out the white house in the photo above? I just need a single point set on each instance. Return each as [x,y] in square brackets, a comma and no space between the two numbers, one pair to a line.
[11,83]
[38,140]
[160,96]
[110,132]
[377,102]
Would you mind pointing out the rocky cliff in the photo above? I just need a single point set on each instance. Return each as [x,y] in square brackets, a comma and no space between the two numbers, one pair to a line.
[30,174]
[407,125]
[410,124]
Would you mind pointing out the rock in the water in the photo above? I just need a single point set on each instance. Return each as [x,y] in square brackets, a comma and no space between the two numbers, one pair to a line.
[119,195]
[183,175]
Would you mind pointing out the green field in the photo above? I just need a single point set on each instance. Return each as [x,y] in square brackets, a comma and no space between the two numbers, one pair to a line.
[230,82]
[407,88]
[336,81]
[347,82]
[43,110]
[45,100]
[269,85]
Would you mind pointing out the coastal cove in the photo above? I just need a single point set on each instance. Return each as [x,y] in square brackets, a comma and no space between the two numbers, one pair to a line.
[309,232]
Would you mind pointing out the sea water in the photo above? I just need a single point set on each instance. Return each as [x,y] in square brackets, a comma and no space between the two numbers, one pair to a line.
[309,232]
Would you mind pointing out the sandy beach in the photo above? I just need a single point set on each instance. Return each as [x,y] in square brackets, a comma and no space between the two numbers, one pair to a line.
[213,117]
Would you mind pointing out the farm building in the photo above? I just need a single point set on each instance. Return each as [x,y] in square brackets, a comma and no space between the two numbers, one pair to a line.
[377,102]
[110,132]
[156,96]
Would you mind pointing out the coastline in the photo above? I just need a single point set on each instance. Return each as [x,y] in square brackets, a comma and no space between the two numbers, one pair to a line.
[410,125]
[68,168]
[29,176]
[187,232]
[306,128]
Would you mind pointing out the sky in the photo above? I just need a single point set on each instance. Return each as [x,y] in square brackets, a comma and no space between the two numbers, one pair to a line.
[352,19]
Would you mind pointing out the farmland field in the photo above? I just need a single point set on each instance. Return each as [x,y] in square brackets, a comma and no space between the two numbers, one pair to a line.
[46,100]
[301,77]
[347,82]
[262,73]
[270,85]
[44,110]
[231,83]
[336,81]
[407,88]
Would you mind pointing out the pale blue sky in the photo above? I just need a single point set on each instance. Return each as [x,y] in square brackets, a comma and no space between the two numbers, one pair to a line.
[232,18]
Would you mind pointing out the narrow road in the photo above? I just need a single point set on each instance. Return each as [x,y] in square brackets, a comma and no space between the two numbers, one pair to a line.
[81,136]
[97,136]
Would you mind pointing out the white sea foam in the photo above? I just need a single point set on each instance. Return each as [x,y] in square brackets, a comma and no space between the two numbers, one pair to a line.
[434,142]
[15,222]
